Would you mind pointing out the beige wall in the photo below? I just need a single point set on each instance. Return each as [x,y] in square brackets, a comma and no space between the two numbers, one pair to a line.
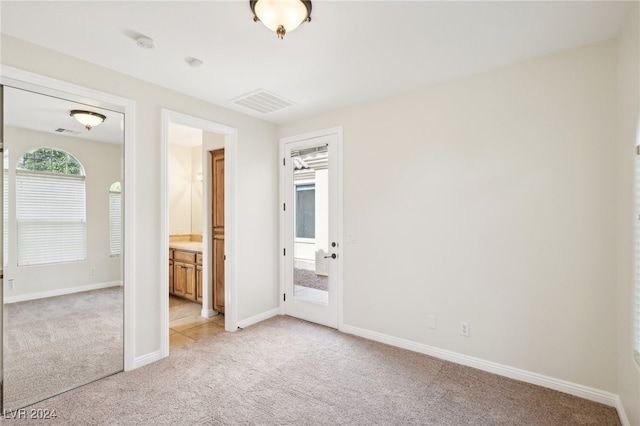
[185,191]
[256,187]
[628,138]
[101,162]
[196,188]
[489,199]
[179,182]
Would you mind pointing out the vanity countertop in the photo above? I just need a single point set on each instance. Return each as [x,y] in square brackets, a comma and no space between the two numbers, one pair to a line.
[186,245]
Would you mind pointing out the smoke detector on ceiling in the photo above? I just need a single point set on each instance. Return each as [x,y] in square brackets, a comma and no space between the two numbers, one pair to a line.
[194,62]
[146,42]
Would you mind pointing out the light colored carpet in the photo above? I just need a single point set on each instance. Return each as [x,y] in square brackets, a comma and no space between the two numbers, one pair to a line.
[284,371]
[56,344]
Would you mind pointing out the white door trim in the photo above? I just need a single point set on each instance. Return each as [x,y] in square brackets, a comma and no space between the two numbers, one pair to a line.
[337,131]
[230,209]
[42,84]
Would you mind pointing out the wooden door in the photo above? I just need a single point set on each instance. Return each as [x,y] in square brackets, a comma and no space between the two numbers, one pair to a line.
[217,197]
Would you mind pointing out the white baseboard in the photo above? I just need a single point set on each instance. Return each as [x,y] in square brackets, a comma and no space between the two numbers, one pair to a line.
[581,391]
[208,313]
[621,413]
[147,359]
[257,318]
[60,292]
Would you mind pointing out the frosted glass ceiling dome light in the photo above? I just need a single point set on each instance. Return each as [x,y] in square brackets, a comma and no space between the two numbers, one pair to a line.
[88,119]
[281,16]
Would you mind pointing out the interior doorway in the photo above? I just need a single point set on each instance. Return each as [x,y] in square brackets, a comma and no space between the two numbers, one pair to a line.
[192,271]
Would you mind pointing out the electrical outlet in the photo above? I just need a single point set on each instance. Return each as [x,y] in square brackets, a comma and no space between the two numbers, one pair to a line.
[11,285]
[464,328]
[92,271]
[431,321]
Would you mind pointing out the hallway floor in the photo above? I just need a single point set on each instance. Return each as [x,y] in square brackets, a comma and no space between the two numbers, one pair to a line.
[187,326]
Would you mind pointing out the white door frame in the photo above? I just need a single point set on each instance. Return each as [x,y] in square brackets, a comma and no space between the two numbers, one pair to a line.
[30,81]
[230,184]
[337,131]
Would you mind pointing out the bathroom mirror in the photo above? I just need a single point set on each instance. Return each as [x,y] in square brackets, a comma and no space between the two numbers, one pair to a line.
[62,246]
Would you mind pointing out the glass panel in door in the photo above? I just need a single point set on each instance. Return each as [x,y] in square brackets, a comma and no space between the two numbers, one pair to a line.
[311,224]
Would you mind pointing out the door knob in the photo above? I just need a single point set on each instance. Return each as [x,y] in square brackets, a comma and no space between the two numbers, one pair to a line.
[333,256]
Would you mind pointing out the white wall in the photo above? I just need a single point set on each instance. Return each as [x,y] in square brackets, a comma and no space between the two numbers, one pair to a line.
[628,138]
[489,199]
[257,195]
[102,165]
[196,190]
[185,191]
[179,183]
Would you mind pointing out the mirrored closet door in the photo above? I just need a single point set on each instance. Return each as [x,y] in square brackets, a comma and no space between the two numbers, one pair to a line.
[62,245]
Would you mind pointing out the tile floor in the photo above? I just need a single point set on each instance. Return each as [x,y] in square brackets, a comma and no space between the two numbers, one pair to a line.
[187,326]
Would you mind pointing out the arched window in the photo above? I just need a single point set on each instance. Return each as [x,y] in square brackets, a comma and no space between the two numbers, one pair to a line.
[50,208]
[115,219]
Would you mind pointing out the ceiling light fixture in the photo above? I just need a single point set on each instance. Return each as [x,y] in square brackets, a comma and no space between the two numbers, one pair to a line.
[281,16]
[88,119]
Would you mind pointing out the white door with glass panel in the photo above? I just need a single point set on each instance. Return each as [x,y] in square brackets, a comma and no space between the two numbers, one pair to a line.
[311,250]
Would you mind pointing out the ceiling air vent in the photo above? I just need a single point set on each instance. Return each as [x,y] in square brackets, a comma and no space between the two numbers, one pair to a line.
[262,101]
[66,131]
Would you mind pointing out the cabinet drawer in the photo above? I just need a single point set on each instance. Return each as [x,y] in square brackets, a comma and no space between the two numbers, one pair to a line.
[170,253]
[184,256]
[199,258]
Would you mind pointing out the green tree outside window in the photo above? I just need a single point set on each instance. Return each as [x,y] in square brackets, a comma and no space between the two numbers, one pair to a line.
[50,160]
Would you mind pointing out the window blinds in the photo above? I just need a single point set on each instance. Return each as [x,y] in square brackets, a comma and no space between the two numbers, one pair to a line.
[51,218]
[115,223]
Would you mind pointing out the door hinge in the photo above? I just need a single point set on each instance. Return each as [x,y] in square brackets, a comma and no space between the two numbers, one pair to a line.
[284,252]
[284,297]
[284,161]
[284,207]
[637,149]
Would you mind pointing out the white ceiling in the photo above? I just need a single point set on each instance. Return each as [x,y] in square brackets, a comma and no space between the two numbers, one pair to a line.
[351,51]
